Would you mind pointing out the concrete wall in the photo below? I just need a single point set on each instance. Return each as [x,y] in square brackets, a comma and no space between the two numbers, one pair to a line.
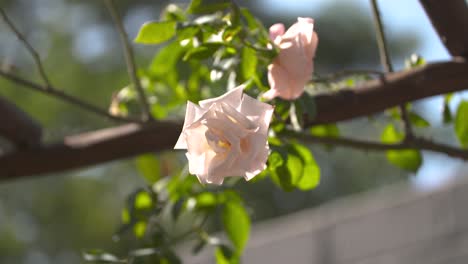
[397,224]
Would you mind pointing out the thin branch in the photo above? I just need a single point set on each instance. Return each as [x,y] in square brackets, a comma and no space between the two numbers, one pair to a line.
[386,63]
[411,143]
[31,50]
[50,90]
[381,41]
[129,59]
[345,73]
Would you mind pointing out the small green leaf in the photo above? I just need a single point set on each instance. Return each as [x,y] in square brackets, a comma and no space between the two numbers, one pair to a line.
[310,177]
[202,52]
[248,64]
[417,120]
[294,167]
[143,201]
[149,167]
[391,135]
[206,200]
[408,159]
[236,222]
[207,6]
[224,255]
[125,216]
[139,229]
[156,32]
[446,114]
[461,123]
[328,130]
[275,160]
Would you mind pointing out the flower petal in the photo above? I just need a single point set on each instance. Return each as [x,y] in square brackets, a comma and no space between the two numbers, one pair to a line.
[192,113]
[276,31]
[232,98]
[279,81]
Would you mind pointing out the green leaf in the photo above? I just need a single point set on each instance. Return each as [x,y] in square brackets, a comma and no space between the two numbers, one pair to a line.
[310,177]
[166,59]
[207,6]
[275,160]
[139,229]
[447,114]
[417,120]
[294,166]
[206,200]
[143,201]
[202,52]
[248,64]
[236,222]
[224,255]
[328,130]
[149,167]
[156,32]
[391,135]
[408,159]
[125,216]
[461,123]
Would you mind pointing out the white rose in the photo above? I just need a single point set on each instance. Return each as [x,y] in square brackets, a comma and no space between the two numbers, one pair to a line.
[226,136]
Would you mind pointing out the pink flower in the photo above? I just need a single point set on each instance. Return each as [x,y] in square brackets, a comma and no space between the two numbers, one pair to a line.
[226,136]
[292,69]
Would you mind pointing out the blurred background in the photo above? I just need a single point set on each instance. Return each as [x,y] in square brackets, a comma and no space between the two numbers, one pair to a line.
[50,219]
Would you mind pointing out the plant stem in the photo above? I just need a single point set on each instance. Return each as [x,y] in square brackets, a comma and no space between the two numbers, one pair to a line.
[129,60]
[386,63]
[31,50]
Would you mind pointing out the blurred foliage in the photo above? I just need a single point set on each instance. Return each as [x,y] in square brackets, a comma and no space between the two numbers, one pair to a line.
[193,51]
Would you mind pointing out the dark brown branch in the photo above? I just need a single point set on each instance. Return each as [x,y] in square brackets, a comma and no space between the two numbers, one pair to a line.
[90,149]
[130,60]
[410,143]
[31,50]
[18,127]
[63,96]
[392,90]
[345,73]
[128,140]
[450,19]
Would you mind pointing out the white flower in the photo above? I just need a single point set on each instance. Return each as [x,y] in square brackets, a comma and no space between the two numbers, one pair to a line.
[226,136]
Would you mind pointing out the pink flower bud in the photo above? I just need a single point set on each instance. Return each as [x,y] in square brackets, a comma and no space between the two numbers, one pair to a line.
[292,69]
